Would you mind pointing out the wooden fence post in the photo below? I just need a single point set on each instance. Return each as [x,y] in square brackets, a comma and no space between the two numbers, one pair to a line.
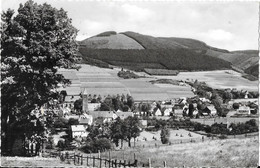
[109,162]
[87,160]
[124,163]
[74,159]
[134,156]
[115,163]
[93,161]
[81,159]
[100,162]
[149,162]
[78,159]
[135,163]
[164,164]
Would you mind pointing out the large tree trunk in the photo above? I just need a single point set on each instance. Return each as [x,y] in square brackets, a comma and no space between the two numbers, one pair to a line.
[122,144]
[129,142]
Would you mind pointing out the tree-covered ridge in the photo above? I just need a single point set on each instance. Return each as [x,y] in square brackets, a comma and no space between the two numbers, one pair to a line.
[178,59]
[35,42]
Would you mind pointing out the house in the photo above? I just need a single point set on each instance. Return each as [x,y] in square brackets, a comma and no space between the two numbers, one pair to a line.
[166,111]
[209,110]
[212,109]
[69,101]
[204,100]
[157,111]
[85,119]
[93,106]
[106,116]
[124,115]
[79,131]
[243,110]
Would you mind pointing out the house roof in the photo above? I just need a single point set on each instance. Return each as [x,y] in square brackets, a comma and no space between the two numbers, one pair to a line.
[78,128]
[211,108]
[105,114]
[124,115]
[71,99]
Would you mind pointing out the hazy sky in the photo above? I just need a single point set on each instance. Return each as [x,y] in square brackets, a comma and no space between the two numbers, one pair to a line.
[227,25]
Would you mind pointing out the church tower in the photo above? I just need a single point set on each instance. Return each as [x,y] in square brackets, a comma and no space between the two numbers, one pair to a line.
[85,101]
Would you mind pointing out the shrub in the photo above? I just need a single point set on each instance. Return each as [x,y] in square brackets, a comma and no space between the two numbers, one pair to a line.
[222,137]
[95,145]
[165,134]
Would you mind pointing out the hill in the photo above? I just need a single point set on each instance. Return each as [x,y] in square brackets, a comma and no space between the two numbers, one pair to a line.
[110,40]
[137,51]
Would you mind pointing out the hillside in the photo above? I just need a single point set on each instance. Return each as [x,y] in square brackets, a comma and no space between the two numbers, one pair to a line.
[110,40]
[137,51]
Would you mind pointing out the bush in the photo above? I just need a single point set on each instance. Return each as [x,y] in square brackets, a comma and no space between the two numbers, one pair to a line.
[222,137]
[165,134]
[95,145]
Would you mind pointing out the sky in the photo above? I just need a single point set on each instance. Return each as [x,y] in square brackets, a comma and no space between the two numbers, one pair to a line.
[226,25]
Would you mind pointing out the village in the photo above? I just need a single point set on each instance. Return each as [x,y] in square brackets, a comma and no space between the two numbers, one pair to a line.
[72,116]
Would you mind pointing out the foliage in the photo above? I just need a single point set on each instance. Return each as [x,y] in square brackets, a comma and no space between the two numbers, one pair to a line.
[78,104]
[127,74]
[35,42]
[73,121]
[241,128]
[235,106]
[60,123]
[117,132]
[97,144]
[161,72]
[165,134]
[184,59]
[131,128]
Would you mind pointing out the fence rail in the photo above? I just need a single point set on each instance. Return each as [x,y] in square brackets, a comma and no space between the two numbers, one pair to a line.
[80,160]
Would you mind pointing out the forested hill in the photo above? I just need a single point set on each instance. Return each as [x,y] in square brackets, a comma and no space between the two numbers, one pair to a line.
[137,51]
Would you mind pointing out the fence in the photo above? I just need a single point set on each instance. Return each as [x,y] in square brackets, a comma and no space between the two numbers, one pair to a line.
[92,161]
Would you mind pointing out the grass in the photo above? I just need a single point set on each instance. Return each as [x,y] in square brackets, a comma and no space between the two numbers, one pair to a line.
[218,153]
[31,162]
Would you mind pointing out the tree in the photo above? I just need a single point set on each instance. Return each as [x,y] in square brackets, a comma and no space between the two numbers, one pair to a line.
[235,106]
[165,134]
[131,128]
[78,105]
[35,42]
[117,132]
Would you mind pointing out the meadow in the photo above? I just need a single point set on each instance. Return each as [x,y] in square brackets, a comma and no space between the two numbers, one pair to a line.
[210,153]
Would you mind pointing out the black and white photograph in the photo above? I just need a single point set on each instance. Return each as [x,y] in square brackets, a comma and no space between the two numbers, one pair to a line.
[129,83]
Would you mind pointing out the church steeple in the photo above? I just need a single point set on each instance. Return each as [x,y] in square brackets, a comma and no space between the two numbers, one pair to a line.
[85,101]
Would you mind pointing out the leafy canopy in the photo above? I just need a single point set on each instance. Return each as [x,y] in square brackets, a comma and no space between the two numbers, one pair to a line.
[35,43]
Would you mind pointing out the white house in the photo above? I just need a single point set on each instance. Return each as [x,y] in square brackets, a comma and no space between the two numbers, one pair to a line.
[243,110]
[212,109]
[166,111]
[79,131]
[85,119]
[93,106]
[106,116]
[157,112]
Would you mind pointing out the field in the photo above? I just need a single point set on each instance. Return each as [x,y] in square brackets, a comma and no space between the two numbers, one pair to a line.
[220,79]
[211,153]
[105,81]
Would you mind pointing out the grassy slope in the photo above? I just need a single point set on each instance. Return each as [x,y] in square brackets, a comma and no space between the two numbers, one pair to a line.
[220,153]
[111,41]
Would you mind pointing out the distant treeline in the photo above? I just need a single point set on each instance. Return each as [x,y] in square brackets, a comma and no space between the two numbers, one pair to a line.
[175,59]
